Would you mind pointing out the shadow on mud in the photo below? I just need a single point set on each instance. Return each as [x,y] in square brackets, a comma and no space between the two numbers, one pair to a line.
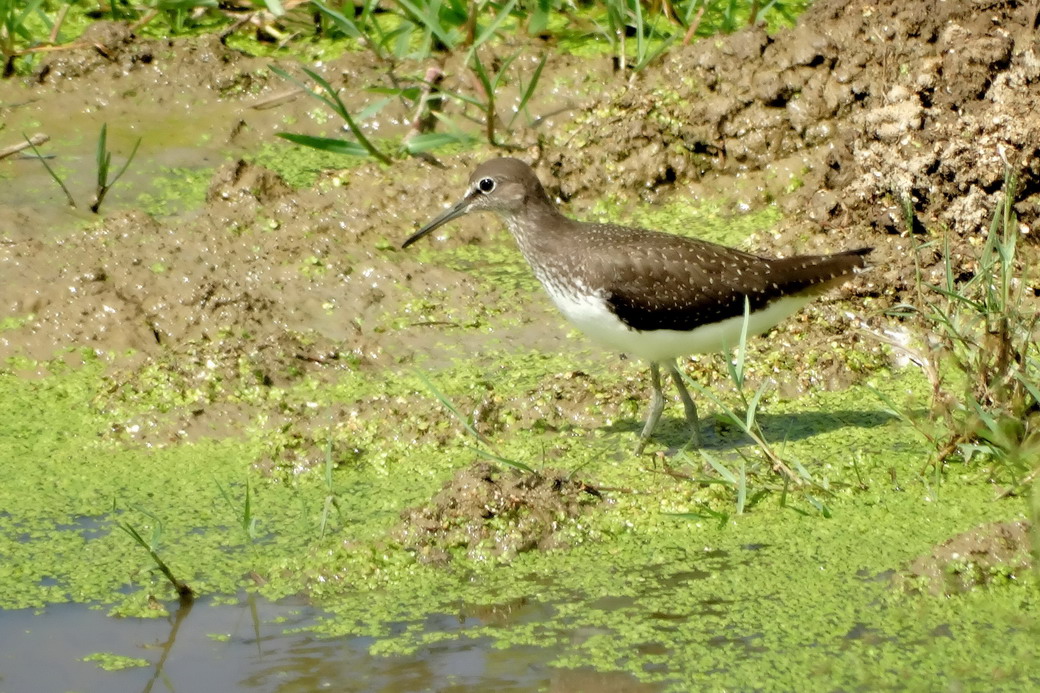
[720,434]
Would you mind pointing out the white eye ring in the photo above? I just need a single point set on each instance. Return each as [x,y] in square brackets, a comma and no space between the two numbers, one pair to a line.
[486,185]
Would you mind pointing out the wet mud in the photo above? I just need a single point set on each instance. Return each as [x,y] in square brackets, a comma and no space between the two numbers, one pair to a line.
[993,553]
[866,123]
[929,111]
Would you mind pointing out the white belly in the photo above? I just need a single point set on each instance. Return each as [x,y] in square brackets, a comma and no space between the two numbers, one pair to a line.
[591,316]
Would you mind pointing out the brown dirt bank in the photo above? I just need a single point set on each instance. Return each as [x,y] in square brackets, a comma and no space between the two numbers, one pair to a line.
[111,51]
[878,103]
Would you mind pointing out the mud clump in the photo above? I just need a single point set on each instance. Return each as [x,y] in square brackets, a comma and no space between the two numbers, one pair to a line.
[488,512]
[988,554]
[239,179]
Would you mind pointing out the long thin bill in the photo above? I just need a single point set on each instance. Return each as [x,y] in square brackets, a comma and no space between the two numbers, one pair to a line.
[457,211]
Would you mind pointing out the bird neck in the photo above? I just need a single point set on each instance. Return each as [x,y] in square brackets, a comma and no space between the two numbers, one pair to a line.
[535,224]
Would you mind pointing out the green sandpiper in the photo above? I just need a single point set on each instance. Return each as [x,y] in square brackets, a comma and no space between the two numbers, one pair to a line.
[646,293]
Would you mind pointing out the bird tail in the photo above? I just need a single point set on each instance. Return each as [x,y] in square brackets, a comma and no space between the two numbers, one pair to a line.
[817,273]
[861,255]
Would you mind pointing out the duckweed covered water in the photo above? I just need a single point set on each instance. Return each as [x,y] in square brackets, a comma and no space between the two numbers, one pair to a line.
[666,584]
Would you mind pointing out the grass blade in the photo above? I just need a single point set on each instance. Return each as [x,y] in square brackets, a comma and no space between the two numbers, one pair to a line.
[126,165]
[742,488]
[498,458]
[332,100]
[451,407]
[653,55]
[342,110]
[491,28]
[709,514]
[57,179]
[433,140]
[349,27]
[489,94]
[327,144]
[428,18]
[274,7]
[752,406]
[186,593]
[331,499]
[500,75]
[103,157]
[104,165]
[718,467]
[528,91]
[742,345]
[470,429]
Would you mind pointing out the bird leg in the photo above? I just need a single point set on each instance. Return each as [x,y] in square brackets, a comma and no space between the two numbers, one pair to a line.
[691,408]
[656,407]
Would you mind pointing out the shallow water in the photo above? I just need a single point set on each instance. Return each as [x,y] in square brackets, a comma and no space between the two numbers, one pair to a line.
[258,645]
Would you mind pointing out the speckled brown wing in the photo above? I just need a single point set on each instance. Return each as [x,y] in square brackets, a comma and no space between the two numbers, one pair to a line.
[665,282]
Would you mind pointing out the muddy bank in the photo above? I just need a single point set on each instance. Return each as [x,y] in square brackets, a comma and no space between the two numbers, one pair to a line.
[895,117]
[923,114]
[266,285]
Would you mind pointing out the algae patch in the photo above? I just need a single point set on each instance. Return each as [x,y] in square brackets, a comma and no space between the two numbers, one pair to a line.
[768,602]
[176,189]
[301,167]
[67,487]
[114,662]
[776,597]
[704,219]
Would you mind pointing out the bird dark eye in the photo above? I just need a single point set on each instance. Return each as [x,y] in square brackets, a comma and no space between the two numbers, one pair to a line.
[486,185]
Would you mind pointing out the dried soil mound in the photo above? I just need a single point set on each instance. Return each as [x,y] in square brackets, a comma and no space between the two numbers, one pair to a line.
[490,512]
[883,102]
